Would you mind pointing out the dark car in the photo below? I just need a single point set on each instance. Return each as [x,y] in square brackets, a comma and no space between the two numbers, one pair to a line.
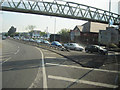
[56,43]
[96,48]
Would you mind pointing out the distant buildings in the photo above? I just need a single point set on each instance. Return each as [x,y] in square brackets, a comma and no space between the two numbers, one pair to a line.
[109,36]
[87,33]
[35,34]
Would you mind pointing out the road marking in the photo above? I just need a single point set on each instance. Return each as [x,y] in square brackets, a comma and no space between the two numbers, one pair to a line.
[44,50]
[17,51]
[83,81]
[50,57]
[4,56]
[44,71]
[5,60]
[71,66]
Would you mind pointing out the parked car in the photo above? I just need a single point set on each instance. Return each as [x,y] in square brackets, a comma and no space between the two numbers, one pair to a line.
[46,42]
[31,40]
[38,41]
[3,37]
[56,43]
[73,46]
[16,37]
[96,48]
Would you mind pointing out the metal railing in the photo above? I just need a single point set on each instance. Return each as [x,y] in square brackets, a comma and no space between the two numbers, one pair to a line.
[67,10]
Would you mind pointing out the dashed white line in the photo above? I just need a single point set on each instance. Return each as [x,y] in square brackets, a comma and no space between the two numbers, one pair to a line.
[71,66]
[83,81]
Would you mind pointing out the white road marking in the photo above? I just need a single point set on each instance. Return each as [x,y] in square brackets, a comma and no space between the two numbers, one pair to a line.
[5,60]
[17,51]
[44,73]
[83,81]
[71,66]
[44,50]
[50,57]
[4,56]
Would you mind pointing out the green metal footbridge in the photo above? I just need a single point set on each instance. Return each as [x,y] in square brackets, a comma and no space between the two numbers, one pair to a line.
[60,9]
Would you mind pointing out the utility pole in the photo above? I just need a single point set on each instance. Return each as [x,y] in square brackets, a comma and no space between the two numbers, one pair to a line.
[54,28]
[109,11]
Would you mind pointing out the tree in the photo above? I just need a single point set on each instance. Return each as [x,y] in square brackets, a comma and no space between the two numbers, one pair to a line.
[65,35]
[42,33]
[30,28]
[11,31]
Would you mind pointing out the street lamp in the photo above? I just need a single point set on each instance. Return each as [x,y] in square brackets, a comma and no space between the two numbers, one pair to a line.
[54,28]
[109,11]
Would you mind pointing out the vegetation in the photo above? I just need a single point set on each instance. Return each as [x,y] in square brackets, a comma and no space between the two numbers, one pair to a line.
[65,35]
[30,28]
[11,31]
[42,33]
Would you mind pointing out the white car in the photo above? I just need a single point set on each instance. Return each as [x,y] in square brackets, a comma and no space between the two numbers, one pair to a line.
[38,41]
[31,40]
[73,46]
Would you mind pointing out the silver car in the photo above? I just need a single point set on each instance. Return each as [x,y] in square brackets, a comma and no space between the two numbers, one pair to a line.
[73,46]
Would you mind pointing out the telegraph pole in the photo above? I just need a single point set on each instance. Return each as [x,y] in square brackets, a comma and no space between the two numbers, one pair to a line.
[109,11]
[54,28]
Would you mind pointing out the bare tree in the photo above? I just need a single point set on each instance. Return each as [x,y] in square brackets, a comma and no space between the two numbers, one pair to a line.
[30,27]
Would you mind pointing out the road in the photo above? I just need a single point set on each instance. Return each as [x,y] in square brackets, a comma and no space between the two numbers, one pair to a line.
[26,66]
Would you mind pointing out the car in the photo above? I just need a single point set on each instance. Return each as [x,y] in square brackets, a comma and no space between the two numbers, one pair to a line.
[96,48]
[31,40]
[73,46]
[46,42]
[16,37]
[38,41]
[56,43]
[3,37]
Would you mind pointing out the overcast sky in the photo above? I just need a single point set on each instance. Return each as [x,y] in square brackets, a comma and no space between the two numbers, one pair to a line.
[22,20]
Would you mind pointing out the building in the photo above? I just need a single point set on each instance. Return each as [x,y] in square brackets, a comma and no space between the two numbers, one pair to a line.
[109,36]
[35,34]
[87,33]
[55,37]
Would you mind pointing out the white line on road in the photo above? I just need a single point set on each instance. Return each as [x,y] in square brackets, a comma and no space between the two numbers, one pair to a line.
[71,66]
[5,60]
[50,57]
[44,73]
[4,56]
[83,81]
[17,51]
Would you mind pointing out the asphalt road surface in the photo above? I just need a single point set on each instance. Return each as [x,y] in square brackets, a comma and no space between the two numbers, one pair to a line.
[26,66]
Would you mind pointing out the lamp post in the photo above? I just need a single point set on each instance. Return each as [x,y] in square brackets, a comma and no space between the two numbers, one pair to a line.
[54,28]
[109,11]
